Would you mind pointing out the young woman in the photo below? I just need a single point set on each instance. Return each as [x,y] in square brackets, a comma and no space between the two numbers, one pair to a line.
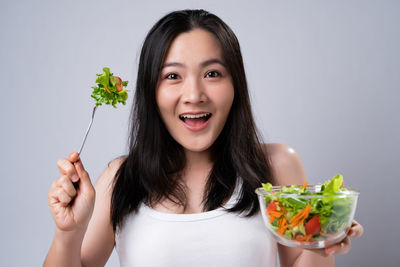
[184,195]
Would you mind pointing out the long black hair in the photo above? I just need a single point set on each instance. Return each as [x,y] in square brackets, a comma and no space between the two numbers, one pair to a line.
[150,172]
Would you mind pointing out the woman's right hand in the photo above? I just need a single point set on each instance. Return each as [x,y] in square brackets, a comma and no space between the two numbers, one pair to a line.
[71,207]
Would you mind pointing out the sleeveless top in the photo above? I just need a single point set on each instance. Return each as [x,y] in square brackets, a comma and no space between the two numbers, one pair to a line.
[151,238]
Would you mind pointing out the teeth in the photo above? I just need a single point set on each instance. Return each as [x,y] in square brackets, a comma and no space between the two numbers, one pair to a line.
[192,116]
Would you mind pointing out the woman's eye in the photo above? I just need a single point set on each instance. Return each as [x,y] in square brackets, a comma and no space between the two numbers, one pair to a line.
[213,74]
[172,76]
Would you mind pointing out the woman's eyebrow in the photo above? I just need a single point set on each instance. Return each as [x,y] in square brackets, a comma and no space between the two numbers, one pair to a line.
[212,61]
[202,64]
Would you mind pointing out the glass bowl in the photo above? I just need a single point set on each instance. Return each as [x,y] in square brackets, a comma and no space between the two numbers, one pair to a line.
[310,219]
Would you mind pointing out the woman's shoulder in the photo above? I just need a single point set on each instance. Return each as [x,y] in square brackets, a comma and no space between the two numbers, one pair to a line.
[280,154]
[286,164]
[106,179]
[114,164]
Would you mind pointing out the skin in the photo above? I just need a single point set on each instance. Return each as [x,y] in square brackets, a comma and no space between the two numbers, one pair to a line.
[194,79]
[84,234]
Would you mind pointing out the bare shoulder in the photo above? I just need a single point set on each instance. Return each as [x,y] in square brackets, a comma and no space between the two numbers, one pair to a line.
[282,155]
[107,177]
[286,164]
[116,163]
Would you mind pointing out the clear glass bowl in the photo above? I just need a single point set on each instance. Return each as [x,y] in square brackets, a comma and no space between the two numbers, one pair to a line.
[335,214]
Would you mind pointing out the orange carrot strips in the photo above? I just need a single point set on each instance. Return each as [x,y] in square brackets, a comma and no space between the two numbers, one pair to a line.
[304,185]
[303,238]
[282,226]
[107,90]
[307,211]
[300,216]
[275,213]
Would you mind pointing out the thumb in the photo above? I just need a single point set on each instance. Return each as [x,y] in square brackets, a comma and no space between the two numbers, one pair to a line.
[85,184]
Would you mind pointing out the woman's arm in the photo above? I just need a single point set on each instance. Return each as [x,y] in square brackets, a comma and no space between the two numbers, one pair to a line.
[82,237]
[288,169]
[99,238]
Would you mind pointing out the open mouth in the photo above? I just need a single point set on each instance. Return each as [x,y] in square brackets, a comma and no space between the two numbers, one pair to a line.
[195,121]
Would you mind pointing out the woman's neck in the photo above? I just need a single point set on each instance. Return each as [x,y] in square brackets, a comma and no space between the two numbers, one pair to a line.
[194,177]
[196,171]
[196,161]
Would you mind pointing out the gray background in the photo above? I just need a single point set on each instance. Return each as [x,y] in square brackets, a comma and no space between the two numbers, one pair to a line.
[323,75]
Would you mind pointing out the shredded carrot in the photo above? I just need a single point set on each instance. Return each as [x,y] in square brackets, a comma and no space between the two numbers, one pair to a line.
[107,90]
[304,185]
[307,211]
[275,213]
[299,218]
[296,217]
[297,222]
[282,226]
[302,238]
[271,218]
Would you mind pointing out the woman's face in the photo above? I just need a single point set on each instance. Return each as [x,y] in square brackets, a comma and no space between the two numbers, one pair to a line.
[195,90]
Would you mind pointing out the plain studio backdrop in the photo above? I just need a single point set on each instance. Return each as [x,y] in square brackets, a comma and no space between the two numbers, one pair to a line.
[323,77]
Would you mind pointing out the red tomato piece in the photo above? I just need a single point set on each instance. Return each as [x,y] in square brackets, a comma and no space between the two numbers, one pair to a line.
[272,206]
[118,85]
[313,226]
[119,80]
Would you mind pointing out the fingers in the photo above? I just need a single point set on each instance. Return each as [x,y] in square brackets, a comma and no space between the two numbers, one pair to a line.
[67,168]
[63,197]
[66,184]
[62,191]
[83,175]
[80,169]
[343,247]
[73,156]
[339,248]
[73,168]
[356,230]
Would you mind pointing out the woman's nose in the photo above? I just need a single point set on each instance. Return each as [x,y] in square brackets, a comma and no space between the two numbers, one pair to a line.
[193,91]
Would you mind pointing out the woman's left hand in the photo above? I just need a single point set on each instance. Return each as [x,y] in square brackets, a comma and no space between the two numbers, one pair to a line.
[356,230]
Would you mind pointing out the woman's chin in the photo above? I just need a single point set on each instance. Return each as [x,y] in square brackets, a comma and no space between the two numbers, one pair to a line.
[197,148]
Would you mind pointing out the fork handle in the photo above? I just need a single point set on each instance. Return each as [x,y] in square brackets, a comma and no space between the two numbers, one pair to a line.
[87,131]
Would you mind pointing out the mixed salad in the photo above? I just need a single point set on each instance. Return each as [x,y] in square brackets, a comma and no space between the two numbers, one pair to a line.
[110,89]
[296,217]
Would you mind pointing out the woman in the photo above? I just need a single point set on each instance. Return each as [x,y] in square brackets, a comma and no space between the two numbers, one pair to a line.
[184,195]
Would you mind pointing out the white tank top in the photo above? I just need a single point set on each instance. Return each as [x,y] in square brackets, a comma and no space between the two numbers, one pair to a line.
[152,238]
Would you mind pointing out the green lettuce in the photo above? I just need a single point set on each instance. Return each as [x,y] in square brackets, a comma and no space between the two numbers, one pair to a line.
[334,209]
[333,185]
[106,90]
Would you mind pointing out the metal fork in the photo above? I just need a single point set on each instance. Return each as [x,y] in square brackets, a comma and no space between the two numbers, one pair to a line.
[87,131]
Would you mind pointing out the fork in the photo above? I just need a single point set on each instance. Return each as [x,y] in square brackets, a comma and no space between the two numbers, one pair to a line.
[87,131]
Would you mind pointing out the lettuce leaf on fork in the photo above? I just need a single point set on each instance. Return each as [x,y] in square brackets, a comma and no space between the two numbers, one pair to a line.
[109,89]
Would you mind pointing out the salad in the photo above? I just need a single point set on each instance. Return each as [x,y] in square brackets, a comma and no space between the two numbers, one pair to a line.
[298,214]
[110,89]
